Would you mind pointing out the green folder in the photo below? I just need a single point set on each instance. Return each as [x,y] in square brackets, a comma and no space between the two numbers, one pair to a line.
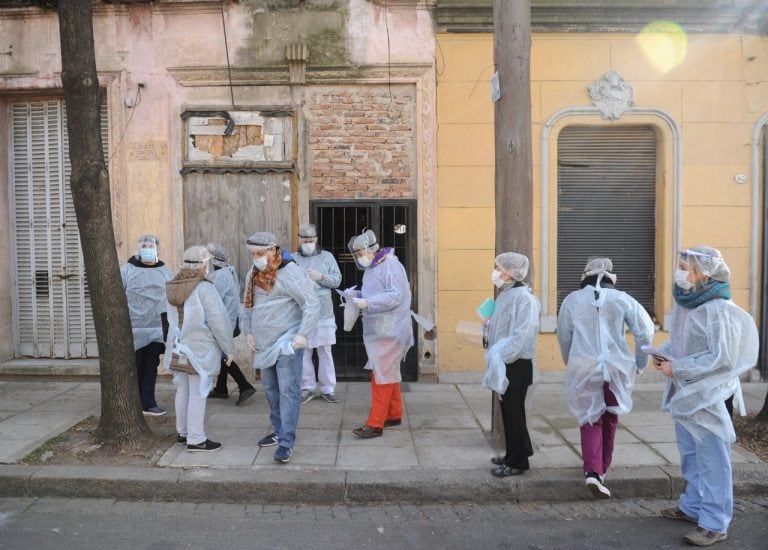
[486,308]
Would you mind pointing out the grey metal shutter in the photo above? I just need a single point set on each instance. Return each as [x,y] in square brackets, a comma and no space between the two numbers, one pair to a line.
[606,203]
[52,312]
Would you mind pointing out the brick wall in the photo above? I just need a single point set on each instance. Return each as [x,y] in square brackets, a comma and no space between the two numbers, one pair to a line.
[361,143]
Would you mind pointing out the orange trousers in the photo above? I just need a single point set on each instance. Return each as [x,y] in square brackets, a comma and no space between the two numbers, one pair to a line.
[386,403]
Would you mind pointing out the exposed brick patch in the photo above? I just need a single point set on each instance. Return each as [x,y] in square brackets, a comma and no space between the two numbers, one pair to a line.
[361,144]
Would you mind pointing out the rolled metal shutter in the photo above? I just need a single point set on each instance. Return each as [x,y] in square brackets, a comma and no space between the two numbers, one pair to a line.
[52,310]
[606,204]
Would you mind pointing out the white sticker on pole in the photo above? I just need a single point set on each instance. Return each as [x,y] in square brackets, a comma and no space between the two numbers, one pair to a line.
[495,91]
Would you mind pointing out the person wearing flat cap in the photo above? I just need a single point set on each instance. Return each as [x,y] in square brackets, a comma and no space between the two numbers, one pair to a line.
[324,272]
[281,312]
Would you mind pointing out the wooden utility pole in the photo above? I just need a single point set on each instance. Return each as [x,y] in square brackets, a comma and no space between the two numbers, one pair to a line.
[512,126]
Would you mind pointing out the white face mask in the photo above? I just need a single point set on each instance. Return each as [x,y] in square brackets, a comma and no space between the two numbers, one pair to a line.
[260,263]
[364,261]
[307,248]
[496,278]
[681,279]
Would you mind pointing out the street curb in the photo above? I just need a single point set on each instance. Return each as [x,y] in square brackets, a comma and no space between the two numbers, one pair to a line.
[307,486]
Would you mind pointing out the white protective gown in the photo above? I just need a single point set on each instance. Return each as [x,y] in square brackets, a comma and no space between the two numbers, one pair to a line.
[711,346]
[325,263]
[226,283]
[145,291]
[205,333]
[512,334]
[387,325]
[276,317]
[594,349]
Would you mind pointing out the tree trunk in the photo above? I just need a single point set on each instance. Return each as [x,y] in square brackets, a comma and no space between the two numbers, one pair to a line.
[122,421]
[512,125]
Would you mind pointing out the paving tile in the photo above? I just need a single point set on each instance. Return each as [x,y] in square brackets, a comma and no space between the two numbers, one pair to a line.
[448,438]
[259,422]
[358,457]
[439,421]
[654,434]
[555,456]
[455,457]
[320,421]
[14,450]
[312,437]
[313,455]
[636,454]
[391,438]
[228,455]
[668,450]
[545,436]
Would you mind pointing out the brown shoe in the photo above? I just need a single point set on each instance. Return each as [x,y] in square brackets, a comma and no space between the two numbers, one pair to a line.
[703,537]
[390,423]
[677,513]
[367,432]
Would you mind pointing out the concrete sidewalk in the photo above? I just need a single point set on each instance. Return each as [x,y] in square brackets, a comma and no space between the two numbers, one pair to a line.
[440,453]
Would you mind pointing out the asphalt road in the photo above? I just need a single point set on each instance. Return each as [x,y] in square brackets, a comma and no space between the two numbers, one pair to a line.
[86,524]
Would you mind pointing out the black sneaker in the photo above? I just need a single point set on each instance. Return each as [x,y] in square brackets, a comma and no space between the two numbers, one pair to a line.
[283,454]
[269,440]
[394,422]
[245,395]
[216,394]
[498,461]
[366,432]
[206,445]
[181,439]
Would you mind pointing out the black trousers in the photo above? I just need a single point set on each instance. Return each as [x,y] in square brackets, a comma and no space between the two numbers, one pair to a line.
[237,375]
[519,447]
[147,360]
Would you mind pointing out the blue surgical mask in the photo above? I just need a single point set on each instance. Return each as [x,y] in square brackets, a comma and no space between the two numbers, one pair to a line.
[148,255]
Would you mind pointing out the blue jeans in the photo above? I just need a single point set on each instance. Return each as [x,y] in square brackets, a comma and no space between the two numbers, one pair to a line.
[282,386]
[706,466]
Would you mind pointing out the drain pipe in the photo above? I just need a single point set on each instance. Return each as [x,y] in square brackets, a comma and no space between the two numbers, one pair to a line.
[756,218]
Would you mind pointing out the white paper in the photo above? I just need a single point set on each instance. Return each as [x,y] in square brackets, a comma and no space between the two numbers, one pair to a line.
[423,322]
[650,350]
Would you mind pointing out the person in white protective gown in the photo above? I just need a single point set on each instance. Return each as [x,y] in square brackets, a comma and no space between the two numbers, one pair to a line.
[712,342]
[199,331]
[144,277]
[225,281]
[324,272]
[512,334]
[385,303]
[280,314]
[600,368]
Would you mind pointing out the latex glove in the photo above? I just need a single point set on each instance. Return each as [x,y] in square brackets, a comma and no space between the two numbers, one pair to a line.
[250,342]
[229,359]
[361,303]
[315,275]
[299,342]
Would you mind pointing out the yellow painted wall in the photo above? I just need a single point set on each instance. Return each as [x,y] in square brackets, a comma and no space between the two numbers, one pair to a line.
[715,95]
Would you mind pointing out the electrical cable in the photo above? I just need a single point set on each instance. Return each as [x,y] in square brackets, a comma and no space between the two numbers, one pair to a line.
[226,49]
[136,103]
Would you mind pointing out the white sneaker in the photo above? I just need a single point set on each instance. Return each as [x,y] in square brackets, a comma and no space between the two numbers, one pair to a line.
[597,488]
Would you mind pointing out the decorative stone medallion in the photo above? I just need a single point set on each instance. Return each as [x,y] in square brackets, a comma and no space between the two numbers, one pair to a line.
[611,95]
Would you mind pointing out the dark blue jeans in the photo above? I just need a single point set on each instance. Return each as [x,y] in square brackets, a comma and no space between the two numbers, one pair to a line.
[147,360]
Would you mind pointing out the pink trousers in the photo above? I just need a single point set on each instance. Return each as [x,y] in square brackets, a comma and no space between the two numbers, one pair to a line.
[597,439]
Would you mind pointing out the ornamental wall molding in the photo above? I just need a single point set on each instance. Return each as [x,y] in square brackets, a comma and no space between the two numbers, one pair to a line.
[612,95]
